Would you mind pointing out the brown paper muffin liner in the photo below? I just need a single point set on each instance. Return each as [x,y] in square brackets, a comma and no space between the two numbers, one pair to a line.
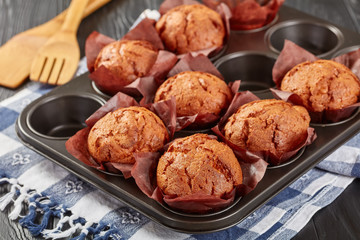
[289,57]
[198,203]
[106,81]
[77,144]
[247,156]
[249,14]
[327,116]
[222,9]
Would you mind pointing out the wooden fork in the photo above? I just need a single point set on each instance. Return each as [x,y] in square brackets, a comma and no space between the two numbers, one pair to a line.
[56,62]
[17,54]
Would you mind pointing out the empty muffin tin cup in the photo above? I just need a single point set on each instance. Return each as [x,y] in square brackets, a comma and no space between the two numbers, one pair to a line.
[253,68]
[318,38]
[61,116]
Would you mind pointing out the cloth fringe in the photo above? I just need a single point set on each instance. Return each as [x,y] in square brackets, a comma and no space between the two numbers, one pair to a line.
[78,228]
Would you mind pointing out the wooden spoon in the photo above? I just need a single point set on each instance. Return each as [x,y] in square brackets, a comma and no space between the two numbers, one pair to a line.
[57,60]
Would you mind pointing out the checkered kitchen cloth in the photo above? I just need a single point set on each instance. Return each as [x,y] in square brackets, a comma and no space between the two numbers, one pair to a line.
[51,191]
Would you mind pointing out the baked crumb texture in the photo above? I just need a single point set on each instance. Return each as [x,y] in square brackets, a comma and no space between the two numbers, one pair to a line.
[195,93]
[322,85]
[127,60]
[270,125]
[189,28]
[198,164]
[120,134]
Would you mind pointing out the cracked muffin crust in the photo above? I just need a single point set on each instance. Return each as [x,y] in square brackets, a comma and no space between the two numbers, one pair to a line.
[198,164]
[187,28]
[120,134]
[270,125]
[195,93]
[322,85]
[127,59]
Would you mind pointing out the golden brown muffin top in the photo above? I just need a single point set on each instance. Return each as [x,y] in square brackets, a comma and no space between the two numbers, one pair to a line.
[188,28]
[119,134]
[127,59]
[195,92]
[198,164]
[268,125]
[323,85]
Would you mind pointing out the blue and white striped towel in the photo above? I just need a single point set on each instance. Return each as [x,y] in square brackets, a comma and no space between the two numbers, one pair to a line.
[52,191]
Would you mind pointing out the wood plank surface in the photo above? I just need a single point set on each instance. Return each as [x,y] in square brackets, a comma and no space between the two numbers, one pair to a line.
[337,221]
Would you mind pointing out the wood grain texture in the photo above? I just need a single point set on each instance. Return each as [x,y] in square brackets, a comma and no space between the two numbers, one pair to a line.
[337,221]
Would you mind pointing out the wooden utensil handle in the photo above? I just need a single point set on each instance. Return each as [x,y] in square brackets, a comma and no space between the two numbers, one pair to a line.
[74,15]
[94,5]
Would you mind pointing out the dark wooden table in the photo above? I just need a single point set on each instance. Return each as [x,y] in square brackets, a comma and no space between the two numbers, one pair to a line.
[339,220]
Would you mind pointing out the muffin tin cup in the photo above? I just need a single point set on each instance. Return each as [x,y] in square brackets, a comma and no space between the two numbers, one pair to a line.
[353,115]
[111,173]
[38,136]
[217,54]
[196,215]
[248,156]
[253,68]
[318,38]
[165,110]
[325,118]
[99,91]
[346,50]
[61,116]
[275,19]
[290,161]
[187,132]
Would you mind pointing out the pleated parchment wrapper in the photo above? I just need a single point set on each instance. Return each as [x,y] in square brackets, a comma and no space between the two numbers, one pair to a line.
[240,99]
[289,57]
[249,14]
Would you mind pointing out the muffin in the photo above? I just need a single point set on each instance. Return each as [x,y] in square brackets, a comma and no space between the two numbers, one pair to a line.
[187,28]
[195,92]
[119,134]
[270,126]
[198,164]
[249,14]
[322,85]
[127,60]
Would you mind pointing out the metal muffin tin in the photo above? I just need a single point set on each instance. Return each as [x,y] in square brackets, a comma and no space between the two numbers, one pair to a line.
[45,124]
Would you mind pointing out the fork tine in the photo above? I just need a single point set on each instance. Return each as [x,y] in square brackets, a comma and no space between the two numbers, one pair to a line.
[45,74]
[56,71]
[68,71]
[37,68]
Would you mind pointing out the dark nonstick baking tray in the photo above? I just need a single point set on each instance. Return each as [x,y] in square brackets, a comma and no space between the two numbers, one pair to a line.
[45,124]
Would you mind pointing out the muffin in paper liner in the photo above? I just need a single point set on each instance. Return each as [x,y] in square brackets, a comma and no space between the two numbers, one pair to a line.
[198,203]
[240,99]
[292,55]
[249,14]
[199,63]
[77,145]
[144,169]
[109,83]
[221,9]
